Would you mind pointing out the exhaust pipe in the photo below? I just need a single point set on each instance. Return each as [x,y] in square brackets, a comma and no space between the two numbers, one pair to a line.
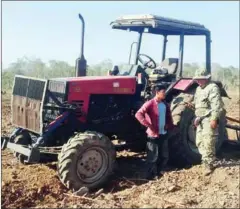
[81,63]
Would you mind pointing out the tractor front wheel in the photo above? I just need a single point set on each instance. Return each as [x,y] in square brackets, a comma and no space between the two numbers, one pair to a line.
[86,160]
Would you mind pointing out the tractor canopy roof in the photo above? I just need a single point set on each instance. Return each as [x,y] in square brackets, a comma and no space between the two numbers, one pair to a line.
[158,25]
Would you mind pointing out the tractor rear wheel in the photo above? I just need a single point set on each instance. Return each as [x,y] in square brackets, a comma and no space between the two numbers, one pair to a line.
[183,149]
[86,160]
[23,138]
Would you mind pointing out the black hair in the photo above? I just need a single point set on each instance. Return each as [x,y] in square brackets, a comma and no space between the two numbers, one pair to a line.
[159,88]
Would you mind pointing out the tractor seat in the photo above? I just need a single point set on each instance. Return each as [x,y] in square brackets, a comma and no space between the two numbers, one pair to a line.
[114,71]
[170,64]
[167,67]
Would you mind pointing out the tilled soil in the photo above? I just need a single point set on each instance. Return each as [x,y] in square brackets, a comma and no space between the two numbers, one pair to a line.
[38,185]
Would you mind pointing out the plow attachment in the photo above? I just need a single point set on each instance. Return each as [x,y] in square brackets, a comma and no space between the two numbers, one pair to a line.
[36,107]
[32,154]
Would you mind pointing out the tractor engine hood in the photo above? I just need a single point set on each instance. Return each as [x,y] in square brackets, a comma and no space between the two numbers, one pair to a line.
[101,84]
[31,96]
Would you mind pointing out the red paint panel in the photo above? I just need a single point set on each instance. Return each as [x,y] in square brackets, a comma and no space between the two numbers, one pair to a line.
[183,84]
[109,85]
[81,88]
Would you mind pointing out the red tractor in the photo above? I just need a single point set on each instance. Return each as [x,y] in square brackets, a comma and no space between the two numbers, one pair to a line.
[81,116]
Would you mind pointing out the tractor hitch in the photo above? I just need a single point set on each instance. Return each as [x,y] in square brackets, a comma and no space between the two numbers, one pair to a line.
[32,154]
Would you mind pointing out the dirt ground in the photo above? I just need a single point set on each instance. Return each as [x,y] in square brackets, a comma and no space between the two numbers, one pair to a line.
[38,185]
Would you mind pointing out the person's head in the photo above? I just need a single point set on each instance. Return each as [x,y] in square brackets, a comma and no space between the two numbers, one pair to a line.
[202,77]
[160,92]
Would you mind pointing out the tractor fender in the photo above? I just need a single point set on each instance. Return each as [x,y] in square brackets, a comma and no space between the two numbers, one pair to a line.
[185,84]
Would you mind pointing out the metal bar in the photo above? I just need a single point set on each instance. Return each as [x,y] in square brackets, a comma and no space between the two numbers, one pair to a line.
[234,127]
[138,47]
[19,148]
[12,97]
[43,102]
[4,141]
[130,54]
[164,47]
[46,148]
[181,52]
[238,135]
[232,119]
[208,53]
[31,78]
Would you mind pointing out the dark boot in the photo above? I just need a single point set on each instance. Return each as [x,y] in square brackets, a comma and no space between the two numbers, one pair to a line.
[150,171]
[208,169]
[162,167]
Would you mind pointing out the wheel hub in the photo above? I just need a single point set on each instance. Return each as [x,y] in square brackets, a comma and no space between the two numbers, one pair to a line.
[92,164]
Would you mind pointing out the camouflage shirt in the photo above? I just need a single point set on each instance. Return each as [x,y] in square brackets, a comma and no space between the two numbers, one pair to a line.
[206,99]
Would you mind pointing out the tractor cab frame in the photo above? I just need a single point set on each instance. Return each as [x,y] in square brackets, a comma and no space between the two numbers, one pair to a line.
[166,27]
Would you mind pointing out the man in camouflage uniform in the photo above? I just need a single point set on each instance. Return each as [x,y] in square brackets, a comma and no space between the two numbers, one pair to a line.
[208,106]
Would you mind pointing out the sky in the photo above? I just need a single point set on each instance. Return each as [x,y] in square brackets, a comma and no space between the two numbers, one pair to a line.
[52,30]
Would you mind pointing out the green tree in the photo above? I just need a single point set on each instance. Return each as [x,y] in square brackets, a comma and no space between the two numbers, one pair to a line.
[35,67]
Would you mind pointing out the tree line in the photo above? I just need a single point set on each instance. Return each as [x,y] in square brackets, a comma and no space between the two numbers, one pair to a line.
[229,76]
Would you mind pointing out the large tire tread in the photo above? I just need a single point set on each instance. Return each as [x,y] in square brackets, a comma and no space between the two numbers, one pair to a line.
[69,154]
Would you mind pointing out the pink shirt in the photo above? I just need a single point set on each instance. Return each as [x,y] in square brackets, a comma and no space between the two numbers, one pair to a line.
[148,115]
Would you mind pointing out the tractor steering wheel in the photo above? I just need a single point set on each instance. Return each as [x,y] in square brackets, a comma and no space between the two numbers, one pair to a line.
[149,64]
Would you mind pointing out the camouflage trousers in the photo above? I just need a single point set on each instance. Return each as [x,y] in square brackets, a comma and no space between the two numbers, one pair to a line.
[157,155]
[205,140]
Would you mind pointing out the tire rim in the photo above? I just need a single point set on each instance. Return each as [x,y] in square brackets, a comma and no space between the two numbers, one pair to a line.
[191,138]
[92,164]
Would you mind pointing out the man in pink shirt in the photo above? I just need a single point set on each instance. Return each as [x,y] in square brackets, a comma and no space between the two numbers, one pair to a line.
[155,114]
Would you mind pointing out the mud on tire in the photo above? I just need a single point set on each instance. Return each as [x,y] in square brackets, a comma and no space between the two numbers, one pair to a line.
[86,160]
[183,150]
